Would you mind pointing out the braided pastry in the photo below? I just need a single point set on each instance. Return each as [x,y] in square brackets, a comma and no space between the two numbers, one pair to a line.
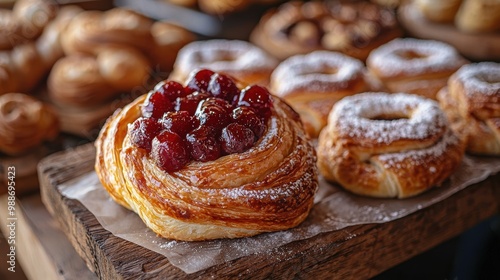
[388,145]
[24,123]
[472,103]
[312,83]
[302,27]
[204,175]
[414,66]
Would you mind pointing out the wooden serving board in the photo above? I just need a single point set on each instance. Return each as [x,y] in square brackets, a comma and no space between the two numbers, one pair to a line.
[355,252]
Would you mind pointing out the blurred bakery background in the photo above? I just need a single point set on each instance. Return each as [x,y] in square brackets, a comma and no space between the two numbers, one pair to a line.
[66,65]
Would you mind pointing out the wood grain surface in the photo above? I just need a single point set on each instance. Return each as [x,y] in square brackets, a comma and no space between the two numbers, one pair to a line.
[356,252]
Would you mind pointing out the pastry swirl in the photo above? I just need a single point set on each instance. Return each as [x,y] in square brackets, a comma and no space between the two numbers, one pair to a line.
[24,123]
[269,187]
[388,145]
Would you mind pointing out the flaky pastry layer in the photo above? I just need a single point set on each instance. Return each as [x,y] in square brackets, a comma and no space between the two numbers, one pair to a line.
[270,187]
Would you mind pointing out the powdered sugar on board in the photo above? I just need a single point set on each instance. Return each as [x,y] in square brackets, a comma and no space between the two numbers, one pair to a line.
[356,117]
[334,209]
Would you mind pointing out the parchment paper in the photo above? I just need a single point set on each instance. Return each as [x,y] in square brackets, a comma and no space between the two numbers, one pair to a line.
[334,209]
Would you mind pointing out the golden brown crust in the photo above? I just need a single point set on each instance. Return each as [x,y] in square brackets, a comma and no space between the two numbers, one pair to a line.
[76,81]
[267,188]
[401,157]
[472,104]
[312,84]
[24,123]
[351,28]
[169,39]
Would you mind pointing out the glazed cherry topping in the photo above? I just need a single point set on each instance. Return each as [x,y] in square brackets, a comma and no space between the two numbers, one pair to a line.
[155,105]
[190,102]
[248,117]
[257,97]
[169,151]
[143,130]
[171,90]
[222,86]
[199,80]
[179,122]
[214,113]
[203,144]
[208,118]
[236,138]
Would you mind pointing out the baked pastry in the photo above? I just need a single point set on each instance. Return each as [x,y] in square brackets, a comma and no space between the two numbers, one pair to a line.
[169,39]
[242,60]
[302,27]
[414,66]
[208,160]
[474,16]
[472,103]
[24,123]
[388,145]
[312,83]
[219,7]
[76,81]
[90,31]
[25,22]
[25,65]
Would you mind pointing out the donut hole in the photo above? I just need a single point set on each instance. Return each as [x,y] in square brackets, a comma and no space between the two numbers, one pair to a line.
[222,56]
[325,70]
[305,32]
[389,117]
[489,78]
[410,55]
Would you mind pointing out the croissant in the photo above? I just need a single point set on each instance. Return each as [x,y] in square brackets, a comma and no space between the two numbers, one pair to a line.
[213,191]
[388,145]
[24,123]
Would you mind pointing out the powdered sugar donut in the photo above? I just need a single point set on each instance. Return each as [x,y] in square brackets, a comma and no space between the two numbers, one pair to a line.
[240,59]
[472,102]
[414,66]
[388,145]
[312,83]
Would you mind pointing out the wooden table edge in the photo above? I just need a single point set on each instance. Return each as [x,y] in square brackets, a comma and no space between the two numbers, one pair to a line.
[355,252]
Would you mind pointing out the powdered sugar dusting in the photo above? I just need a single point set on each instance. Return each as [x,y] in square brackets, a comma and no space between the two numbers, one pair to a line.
[224,55]
[421,156]
[319,71]
[354,116]
[483,77]
[431,56]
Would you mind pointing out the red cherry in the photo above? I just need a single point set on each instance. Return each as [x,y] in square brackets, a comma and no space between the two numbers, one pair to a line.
[190,102]
[155,105]
[247,117]
[236,138]
[203,144]
[199,81]
[179,122]
[171,90]
[213,112]
[257,97]
[142,132]
[169,151]
[222,86]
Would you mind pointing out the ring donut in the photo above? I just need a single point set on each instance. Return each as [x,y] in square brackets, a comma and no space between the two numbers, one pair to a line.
[414,66]
[312,83]
[388,145]
[472,103]
[240,59]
